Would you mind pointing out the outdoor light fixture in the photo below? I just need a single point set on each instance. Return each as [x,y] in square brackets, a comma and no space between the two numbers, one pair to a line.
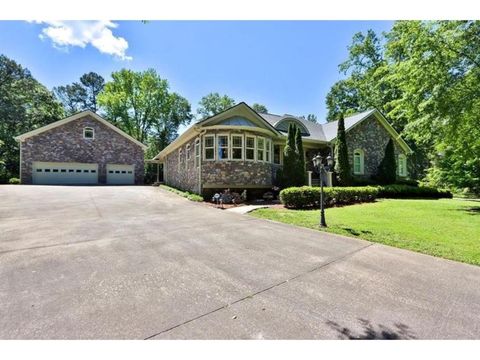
[318,163]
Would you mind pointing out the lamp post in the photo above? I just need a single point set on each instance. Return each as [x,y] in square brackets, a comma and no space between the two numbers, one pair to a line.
[318,163]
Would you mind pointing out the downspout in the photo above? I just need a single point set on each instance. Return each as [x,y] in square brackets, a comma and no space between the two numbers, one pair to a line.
[20,168]
[200,136]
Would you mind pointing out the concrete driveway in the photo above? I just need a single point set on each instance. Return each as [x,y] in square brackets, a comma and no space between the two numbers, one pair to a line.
[139,262]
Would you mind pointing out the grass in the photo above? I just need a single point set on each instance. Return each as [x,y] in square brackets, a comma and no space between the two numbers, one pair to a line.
[185,194]
[449,228]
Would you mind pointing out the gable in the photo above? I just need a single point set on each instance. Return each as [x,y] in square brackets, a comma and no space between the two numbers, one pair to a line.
[283,125]
[75,117]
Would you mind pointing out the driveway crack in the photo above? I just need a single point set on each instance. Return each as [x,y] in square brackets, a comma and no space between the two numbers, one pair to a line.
[316,268]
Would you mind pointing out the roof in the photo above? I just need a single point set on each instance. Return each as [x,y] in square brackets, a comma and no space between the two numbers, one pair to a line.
[76,117]
[330,128]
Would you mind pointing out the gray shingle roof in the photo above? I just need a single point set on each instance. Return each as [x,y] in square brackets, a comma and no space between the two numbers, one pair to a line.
[322,132]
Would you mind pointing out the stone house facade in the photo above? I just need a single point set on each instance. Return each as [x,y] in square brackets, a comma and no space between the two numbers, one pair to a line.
[81,149]
[242,149]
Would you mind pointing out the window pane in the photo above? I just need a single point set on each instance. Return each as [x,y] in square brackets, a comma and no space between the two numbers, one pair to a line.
[236,141]
[222,141]
[249,154]
[209,141]
[250,142]
[237,153]
[276,154]
[223,153]
[260,143]
[209,154]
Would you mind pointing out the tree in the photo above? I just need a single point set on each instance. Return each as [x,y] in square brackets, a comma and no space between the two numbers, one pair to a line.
[93,85]
[25,104]
[213,104]
[312,118]
[342,166]
[82,95]
[259,108]
[141,105]
[387,169]
[290,158]
[301,166]
[423,75]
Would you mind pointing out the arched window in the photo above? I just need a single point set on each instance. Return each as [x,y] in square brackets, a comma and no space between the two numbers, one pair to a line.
[402,165]
[88,133]
[358,161]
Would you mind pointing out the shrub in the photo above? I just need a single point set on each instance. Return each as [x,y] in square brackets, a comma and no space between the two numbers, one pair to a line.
[306,196]
[342,166]
[386,172]
[14,181]
[406,191]
[185,194]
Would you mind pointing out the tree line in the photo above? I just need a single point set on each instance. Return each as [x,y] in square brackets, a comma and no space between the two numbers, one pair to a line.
[140,103]
[424,77]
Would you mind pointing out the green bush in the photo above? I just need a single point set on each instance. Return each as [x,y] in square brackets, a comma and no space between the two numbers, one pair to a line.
[190,196]
[14,181]
[306,196]
[406,191]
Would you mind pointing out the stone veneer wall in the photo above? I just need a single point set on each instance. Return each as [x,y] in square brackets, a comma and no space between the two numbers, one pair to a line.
[187,177]
[372,138]
[237,174]
[65,143]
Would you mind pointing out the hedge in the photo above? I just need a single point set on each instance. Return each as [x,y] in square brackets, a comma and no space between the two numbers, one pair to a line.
[190,196]
[14,181]
[306,196]
[406,192]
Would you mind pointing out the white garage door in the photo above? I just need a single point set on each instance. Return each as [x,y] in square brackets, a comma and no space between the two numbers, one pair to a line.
[120,174]
[57,173]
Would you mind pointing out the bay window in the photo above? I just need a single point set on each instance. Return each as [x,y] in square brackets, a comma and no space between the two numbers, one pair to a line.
[268,150]
[260,149]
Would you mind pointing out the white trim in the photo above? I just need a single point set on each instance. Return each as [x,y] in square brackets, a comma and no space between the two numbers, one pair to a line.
[210,147]
[241,136]
[89,128]
[264,147]
[402,159]
[254,147]
[196,158]
[217,147]
[76,117]
[362,162]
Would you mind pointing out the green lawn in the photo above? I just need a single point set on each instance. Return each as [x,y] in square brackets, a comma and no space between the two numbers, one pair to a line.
[448,228]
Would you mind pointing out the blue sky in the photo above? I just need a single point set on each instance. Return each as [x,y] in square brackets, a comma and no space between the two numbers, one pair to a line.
[289,66]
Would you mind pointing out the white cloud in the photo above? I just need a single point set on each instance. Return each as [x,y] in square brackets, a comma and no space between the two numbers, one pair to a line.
[81,33]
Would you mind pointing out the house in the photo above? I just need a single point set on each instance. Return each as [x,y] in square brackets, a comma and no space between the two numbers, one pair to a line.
[242,149]
[81,149]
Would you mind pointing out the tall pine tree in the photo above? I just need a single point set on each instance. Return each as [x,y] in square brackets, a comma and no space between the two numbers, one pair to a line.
[387,169]
[290,158]
[301,170]
[342,166]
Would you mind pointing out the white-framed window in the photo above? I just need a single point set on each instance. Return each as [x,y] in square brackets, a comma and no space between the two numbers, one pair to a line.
[209,147]
[358,162]
[197,153]
[402,165]
[187,152]
[250,148]
[180,158]
[260,149]
[222,147]
[237,147]
[88,133]
[268,150]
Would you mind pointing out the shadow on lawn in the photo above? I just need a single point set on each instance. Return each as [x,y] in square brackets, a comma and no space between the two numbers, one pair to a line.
[355,232]
[370,332]
[474,210]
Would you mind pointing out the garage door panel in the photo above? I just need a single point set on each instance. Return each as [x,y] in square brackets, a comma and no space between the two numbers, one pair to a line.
[56,173]
[119,174]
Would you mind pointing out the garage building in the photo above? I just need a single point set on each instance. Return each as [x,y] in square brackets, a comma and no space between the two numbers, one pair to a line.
[81,149]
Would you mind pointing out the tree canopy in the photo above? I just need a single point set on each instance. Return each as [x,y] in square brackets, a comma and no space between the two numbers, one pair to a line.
[214,103]
[423,75]
[25,104]
[259,108]
[141,104]
[82,95]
